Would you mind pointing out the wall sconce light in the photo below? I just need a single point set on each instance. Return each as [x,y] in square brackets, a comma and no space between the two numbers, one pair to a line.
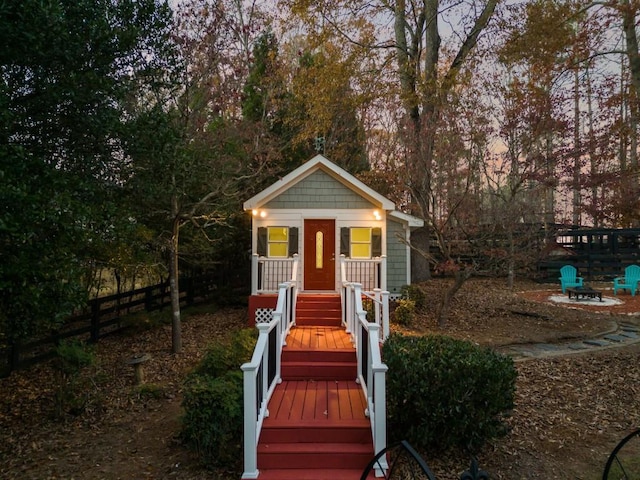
[259,213]
[376,215]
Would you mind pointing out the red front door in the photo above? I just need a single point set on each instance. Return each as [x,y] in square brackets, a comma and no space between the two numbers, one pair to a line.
[319,255]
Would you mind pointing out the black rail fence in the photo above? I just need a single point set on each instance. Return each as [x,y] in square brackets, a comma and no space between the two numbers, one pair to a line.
[104,316]
[598,254]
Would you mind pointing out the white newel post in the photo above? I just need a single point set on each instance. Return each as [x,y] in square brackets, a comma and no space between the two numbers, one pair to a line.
[254,274]
[376,306]
[383,272]
[377,394]
[385,315]
[250,420]
[251,409]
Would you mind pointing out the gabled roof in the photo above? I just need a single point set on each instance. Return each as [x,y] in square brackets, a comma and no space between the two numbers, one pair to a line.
[318,163]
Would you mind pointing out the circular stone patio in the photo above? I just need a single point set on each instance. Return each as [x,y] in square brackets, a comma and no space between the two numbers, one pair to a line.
[621,304]
[606,301]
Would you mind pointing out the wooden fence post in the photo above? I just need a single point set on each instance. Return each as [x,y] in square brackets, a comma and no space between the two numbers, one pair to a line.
[148,299]
[14,356]
[95,320]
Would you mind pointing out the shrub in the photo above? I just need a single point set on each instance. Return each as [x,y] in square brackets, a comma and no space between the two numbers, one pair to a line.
[228,355]
[213,402]
[443,392]
[149,391]
[72,357]
[405,312]
[212,422]
[415,293]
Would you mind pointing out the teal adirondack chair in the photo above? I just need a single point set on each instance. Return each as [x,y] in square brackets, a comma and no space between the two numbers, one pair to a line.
[629,281]
[569,278]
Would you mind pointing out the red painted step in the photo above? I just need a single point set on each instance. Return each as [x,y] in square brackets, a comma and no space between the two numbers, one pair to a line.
[324,355]
[314,455]
[318,474]
[318,310]
[319,370]
[352,431]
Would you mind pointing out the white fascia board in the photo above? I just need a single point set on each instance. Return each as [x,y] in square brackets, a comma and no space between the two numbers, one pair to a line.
[413,222]
[318,163]
[344,216]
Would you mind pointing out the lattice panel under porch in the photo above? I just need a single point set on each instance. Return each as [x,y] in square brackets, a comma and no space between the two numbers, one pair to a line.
[264,315]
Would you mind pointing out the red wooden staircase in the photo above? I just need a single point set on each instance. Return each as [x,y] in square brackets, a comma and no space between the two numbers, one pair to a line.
[316,429]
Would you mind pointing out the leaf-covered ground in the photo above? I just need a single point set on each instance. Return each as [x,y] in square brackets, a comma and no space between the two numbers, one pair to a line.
[570,411]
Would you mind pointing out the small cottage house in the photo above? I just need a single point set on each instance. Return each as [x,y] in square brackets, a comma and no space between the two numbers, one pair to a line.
[321,225]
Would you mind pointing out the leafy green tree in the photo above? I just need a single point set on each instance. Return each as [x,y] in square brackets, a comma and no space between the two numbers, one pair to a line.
[323,107]
[68,70]
[268,105]
[191,175]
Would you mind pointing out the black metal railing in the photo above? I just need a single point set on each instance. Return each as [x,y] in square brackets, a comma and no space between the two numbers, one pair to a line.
[401,461]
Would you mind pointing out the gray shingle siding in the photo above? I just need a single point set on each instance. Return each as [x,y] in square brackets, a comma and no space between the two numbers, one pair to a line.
[396,257]
[319,190]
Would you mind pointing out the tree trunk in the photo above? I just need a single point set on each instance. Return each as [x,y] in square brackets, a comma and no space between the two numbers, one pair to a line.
[577,201]
[460,276]
[420,268]
[176,333]
[419,129]
[628,13]
[511,267]
[595,208]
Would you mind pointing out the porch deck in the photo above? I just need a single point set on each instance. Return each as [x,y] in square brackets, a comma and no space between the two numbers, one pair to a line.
[319,338]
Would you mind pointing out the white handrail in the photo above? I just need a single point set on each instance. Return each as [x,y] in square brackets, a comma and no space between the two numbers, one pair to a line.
[263,372]
[371,370]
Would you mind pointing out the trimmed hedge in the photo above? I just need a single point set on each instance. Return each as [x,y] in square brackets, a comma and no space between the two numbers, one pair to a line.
[443,392]
[212,423]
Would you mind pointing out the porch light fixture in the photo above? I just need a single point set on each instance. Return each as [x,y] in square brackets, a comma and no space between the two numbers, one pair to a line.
[259,213]
[376,215]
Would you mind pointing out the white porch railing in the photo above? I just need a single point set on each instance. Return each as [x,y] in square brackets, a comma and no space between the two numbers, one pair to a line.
[367,337]
[268,273]
[378,297]
[262,373]
[371,370]
[370,273]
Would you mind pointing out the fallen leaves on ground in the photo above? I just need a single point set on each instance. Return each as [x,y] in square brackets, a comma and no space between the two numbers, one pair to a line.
[570,412]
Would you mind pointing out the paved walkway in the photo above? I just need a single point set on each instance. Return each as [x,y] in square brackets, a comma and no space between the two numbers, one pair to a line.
[623,333]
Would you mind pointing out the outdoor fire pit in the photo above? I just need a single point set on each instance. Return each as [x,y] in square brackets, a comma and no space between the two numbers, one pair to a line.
[582,293]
